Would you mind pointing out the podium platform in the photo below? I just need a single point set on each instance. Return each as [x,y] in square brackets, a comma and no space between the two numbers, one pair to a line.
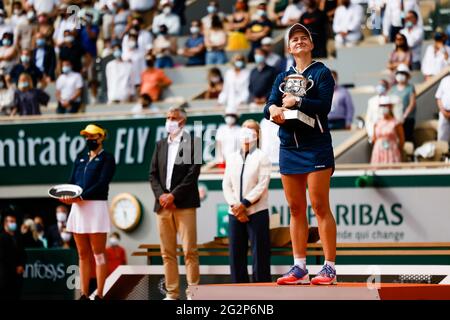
[341,291]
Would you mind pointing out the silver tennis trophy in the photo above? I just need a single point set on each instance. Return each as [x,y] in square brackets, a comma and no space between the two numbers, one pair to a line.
[297,85]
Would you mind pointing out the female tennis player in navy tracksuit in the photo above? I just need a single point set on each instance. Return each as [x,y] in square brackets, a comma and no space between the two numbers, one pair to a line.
[306,156]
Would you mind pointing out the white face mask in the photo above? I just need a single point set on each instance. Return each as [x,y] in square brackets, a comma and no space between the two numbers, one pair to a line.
[172,126]
[195,30]
[229,120]
[400,77]
[167,10]
[61,216]
[385,110]
[247,135]
[114,241]
[380,89]
[66,236]
[131,44]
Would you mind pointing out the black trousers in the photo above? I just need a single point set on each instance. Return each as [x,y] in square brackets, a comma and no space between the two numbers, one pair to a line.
[257,231]
[408,127]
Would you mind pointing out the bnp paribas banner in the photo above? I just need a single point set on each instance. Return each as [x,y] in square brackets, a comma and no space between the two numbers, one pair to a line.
[43,152]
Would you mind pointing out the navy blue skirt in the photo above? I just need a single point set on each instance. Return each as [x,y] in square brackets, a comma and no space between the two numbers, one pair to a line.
[305,159]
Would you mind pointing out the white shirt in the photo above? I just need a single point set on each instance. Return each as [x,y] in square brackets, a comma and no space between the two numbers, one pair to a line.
[414,37]
[273,59]
[15,20]
[348,19]
[5,28]
[174,145]
[137,59]
[270,143]
[172,22]
[292,12]
[229,141]
[255,180]
[45,6]
[67,84]
[432,62]
[393,14]
[374,113]
[145,41]
[141,5]
[443,92]
[64,24]
[235,89]
[119,80]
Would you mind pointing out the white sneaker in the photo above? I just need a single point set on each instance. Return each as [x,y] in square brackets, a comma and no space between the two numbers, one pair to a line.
[169,298]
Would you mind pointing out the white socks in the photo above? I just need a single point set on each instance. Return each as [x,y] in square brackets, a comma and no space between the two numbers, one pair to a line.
[330,263]
[301,262]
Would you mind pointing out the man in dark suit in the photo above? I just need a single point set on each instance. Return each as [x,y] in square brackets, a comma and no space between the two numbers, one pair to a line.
[44,58]
[174,175]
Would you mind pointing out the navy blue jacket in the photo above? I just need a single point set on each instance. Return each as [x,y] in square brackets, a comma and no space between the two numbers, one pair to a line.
[94,176]
[317,101]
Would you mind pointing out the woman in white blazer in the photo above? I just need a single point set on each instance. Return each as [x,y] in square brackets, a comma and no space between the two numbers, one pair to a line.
[245,187]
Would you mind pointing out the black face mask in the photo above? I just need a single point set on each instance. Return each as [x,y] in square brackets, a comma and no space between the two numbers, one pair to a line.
[39,227]
[92,144]
[150,63]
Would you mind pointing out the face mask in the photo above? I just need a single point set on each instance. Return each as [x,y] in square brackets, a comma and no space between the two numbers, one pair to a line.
[385,110]
[24,59]
[399,77]
[167,10]
[66,69]
[195,30]
[40,42]
[66,236]
[17,12]
[380,89]
[12,226]
[68,39]
[259,58]
[247,135]
[163,32]
[229,120]
[114,241]
[172,126]
[117,54]
[61,216]
[132,44]
[23,85]
[92,144]
[30,15]
[239,64]
[39,227]
[211,9]
[6,42]
[215,79]
[150,63]
[261,13]
[409,24]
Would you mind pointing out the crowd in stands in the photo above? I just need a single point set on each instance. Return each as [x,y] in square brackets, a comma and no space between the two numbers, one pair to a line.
[115,51]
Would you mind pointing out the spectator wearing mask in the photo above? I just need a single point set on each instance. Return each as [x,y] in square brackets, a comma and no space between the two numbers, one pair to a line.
[167,18]
[153,80]
[12,259]
[401,54]
[347,24]
[27,99]
[145,104]
[26,65]
[18,15]
[115,253]
[57,234]
[215,42]
[194,48]
[8,53]
[6,96]
[25,30]
[236,25]
[227,137]
[394,16]
[212,9]
[29,235]
[443,102]
[388,138]
[64,22]
[164,46]
[69,86]
[41,233]
[342,109]
[46,28]
[119,78]
[437,56]
[272,59]
[144,37]
[71,50]
[317,23]
[246,190]
[121,15]
[406,94]
[292,13]
[414,35]
[215,83]
[235,87]
[259,28]
[373,113]
[44,58]
[261,78]
[135,56]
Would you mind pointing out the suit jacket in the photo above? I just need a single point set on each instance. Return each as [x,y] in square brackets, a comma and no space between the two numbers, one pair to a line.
[184,183]
[49,61]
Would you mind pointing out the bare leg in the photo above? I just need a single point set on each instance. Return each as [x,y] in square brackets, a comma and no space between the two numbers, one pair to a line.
[98,244]
[84,253]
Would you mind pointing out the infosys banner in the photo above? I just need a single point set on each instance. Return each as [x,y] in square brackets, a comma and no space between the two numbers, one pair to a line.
[404,208]
[43,153]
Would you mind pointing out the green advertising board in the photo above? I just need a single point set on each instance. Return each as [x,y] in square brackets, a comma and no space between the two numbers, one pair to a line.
[43,152]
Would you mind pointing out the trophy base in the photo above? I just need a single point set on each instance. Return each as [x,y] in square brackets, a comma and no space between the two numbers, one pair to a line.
[298,115]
